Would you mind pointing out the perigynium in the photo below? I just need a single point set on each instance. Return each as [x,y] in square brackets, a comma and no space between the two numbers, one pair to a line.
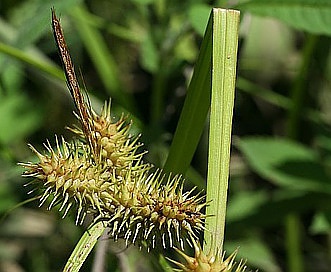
[208,263]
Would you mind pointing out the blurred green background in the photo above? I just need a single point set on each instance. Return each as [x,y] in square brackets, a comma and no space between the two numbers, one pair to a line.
[141,53]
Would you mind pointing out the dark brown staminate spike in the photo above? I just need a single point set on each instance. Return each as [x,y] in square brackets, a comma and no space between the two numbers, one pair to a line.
[84,111]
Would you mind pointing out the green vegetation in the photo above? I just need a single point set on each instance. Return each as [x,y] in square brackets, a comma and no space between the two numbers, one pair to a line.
[141,53]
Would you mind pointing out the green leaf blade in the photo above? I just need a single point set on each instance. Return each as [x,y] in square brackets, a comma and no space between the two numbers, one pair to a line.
[306,15]
[194,112]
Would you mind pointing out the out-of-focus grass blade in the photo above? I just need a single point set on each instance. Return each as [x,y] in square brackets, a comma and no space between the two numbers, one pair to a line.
[274,98]
[101,57]
[194,113]
[84,247]
[265,94]
[33,27]
[224,60]
[16,109]
[32,60]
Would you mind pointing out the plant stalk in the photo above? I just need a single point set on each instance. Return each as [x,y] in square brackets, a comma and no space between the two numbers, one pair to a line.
[295,260]
[223,77]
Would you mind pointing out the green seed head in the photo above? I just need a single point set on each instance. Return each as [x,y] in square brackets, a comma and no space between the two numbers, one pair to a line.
[208,263]
[118,187]
[102,173]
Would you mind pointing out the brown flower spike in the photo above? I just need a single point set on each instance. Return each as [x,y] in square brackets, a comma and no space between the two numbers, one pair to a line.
[102,173]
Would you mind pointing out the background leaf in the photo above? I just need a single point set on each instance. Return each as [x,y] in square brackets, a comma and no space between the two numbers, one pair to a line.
[313,16]
[20,119]
[269,177]
[198,15]
[286,163]
[256,251]
[36,26]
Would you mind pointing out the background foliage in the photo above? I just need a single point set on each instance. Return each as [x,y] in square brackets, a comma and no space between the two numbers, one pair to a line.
[141,53]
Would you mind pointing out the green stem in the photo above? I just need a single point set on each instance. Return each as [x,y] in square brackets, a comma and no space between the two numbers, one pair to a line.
[292,222]
[293,243]
[157,98]
[84,247]
[224,61]
[299,90]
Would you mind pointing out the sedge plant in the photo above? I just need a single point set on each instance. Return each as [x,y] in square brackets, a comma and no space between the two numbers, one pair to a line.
[102,173]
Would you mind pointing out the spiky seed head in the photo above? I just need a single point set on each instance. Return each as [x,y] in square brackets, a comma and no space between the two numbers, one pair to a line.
[135,203]
[208,263]
[69,176]
[142,215]
[102,173]
[112,139]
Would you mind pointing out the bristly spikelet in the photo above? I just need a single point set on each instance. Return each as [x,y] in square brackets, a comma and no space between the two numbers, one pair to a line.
[133,202]
[102,173]
[69,177]
[112,139]
[147,212]
[208,263]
